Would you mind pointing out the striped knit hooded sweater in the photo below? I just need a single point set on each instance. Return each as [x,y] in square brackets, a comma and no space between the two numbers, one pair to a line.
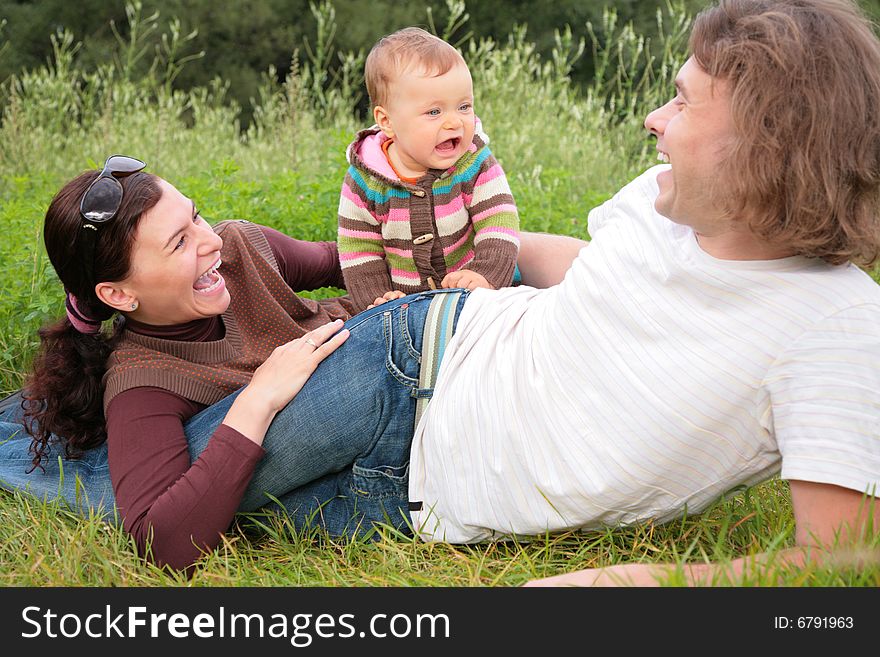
[395,235]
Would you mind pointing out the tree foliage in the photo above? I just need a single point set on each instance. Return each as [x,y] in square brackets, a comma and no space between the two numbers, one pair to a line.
[239,40]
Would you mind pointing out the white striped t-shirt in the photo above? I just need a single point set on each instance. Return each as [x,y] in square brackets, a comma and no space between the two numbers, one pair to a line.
[652,380]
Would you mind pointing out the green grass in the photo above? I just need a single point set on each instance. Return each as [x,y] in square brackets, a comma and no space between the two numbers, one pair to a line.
[45,545]
[564,149]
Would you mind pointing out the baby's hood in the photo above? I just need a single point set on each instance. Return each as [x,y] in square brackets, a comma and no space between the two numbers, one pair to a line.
[367,147]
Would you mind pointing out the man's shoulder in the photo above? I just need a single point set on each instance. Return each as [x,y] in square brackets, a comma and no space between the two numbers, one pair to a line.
[855,287]
[634,200]
[644,186]
[641,191]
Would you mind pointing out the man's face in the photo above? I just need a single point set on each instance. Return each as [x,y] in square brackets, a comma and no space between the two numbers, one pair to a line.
[694,131]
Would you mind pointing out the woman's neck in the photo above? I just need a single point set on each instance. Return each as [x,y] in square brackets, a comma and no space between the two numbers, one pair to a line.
[197,330]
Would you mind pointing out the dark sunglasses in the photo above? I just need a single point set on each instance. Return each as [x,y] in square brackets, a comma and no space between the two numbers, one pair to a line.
[102,201]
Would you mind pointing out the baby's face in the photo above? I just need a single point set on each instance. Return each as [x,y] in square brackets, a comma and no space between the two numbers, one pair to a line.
[430,117]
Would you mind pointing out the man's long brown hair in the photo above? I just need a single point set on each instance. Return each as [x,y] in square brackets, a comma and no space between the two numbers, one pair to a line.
[804,75]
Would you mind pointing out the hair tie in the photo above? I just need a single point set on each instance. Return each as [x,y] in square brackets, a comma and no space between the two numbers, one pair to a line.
[80,321]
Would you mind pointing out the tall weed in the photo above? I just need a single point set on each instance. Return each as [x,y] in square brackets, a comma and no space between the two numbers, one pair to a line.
[565,148]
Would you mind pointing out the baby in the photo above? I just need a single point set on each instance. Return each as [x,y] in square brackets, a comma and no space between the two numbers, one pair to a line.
[424,203]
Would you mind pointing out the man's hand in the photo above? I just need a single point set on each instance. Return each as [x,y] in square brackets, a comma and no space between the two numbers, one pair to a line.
[388,296]
[628,574]
[465,278]
[832,525]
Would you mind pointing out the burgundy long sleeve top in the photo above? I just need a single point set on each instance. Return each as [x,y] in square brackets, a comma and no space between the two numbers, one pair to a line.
[178,508]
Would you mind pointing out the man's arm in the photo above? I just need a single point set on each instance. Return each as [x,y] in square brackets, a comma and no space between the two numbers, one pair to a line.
[831,524]
[544,259]
[827,516]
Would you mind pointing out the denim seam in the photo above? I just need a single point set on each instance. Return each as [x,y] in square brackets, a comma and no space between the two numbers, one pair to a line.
[407,336]
[387,330]
[351,326]
[364,316]
[399,481]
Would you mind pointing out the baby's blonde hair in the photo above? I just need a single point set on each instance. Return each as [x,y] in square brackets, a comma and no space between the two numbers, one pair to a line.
[396,52]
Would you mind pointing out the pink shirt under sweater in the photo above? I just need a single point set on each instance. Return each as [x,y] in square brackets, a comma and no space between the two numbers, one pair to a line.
[189,506]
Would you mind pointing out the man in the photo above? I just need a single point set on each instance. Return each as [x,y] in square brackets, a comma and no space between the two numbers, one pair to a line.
[772,188]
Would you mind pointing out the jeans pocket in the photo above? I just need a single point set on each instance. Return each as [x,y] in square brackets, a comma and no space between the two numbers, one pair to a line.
[402,360]
[381,483]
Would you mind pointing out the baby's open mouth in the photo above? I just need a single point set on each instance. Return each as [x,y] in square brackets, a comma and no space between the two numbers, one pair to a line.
[448,146]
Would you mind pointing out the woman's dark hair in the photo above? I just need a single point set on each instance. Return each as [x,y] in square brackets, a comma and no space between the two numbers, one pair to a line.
[63,396]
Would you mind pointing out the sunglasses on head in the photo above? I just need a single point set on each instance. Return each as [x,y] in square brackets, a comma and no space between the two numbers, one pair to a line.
[102,201]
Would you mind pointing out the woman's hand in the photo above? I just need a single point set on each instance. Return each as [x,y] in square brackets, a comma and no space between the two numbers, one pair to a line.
[285,371]
[281,376]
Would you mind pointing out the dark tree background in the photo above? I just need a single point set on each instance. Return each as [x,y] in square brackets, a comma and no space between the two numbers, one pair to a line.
[242,38]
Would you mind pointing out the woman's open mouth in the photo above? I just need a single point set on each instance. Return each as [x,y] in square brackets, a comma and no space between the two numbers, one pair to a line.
[209,282]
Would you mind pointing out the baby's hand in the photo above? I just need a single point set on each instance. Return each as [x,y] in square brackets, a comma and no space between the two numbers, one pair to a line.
[388,296]
[465,278]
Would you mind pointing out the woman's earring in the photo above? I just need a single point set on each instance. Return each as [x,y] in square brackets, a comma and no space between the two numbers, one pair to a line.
[134,305]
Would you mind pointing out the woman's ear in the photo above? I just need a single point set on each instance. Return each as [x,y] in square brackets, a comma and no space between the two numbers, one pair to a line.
[383,120]
[115,296]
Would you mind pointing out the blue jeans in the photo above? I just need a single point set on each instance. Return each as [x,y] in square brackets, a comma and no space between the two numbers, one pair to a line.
[337,456]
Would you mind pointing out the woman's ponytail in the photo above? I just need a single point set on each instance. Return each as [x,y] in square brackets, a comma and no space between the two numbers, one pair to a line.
[63,396]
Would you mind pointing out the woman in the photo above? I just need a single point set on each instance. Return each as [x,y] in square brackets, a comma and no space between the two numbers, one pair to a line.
[129,227]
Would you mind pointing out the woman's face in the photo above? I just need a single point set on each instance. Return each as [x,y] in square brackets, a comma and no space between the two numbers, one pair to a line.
[173,271]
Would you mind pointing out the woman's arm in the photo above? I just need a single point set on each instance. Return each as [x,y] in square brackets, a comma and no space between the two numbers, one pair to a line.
[178,509]
[305,265]
[544,259]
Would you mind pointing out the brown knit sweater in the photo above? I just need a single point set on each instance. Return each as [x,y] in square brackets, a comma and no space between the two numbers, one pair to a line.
[264,313]
[177,506]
